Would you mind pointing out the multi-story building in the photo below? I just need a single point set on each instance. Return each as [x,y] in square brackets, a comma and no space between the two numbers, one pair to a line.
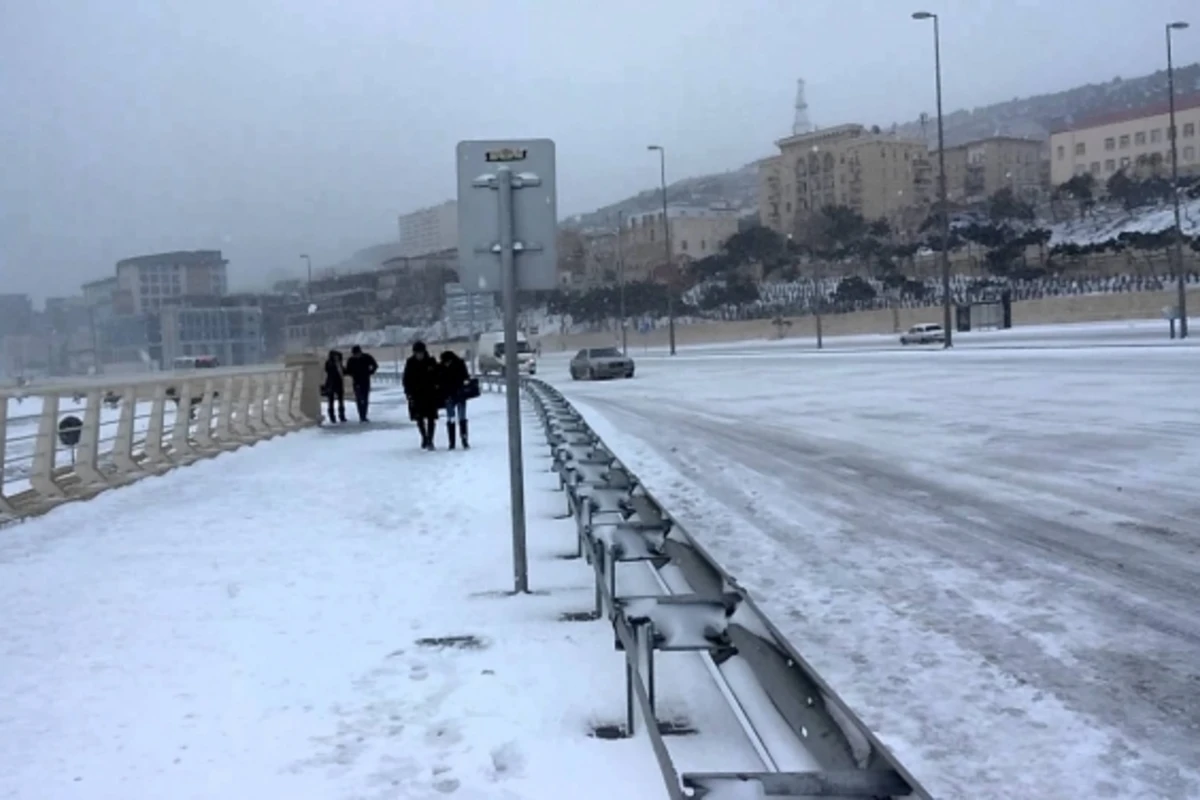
[16,314]
[233,334]
[977,170]
[429,230]
[695,233]
[154,280]
[879,175]
[1137,139]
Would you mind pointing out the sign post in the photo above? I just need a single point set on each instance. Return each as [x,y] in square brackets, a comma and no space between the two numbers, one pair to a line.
[519,227]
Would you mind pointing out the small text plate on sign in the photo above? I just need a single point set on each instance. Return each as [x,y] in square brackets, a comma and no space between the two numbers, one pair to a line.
[506,154]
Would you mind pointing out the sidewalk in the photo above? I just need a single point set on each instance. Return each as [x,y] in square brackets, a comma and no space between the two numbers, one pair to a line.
[259,625]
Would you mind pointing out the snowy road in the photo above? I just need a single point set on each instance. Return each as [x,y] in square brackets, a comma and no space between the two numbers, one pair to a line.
[994,556]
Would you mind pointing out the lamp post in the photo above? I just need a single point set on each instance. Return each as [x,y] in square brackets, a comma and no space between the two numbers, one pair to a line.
[662,166]
[308,298]
[621,280]
[947,316]
[1172,134]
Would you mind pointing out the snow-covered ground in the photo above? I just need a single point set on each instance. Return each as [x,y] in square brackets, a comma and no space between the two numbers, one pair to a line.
[992,555]
[1107,223]
[251,627]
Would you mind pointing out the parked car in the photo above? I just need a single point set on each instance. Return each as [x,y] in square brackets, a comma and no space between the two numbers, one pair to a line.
[601,362]
[926,333]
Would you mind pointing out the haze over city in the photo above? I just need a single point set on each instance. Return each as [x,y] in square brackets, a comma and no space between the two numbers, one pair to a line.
[267,129]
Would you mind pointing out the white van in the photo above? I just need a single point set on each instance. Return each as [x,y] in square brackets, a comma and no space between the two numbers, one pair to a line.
[489,358]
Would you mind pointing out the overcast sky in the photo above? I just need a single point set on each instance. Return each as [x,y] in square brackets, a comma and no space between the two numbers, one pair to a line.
[268,128]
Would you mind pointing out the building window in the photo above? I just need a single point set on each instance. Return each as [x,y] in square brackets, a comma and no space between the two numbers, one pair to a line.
[1124,141]
[1110,165]
[1080,169]
[1189,153]
[683,245]
[1080,149]
[703,245]
[1124,162]
[1110,143]
[1156,135]
[1095,167]
[1139,137]
[1062,152]
[1189,130]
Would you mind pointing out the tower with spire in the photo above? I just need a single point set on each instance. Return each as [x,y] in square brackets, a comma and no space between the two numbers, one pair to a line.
[800,121]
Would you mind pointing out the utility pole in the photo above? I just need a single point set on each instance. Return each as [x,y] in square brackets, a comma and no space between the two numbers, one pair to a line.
[947,312]
[662,166]
[1172,134]
[621,279]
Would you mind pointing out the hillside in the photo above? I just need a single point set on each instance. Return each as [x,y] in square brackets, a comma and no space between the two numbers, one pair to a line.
[1032,117]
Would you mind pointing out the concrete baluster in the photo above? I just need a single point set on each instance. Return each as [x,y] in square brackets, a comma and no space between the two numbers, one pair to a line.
[122,449]
[45,451]
[154,457]
[87,453]
[296,404]
[181,444]
[254,419]
[225,437]
[271,406]
[204,418]
[240,411]
[5,505]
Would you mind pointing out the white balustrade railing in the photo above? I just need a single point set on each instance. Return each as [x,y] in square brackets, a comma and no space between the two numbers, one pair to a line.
[69,441]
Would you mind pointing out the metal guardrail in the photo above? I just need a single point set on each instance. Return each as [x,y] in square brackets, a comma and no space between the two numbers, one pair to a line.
[122,428]
[619,523]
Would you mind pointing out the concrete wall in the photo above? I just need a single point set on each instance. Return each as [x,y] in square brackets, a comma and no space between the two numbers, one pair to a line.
[1045,311]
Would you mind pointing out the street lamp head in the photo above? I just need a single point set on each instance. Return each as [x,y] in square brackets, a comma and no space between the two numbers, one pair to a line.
[923,15]
[654,147]
[1176,26]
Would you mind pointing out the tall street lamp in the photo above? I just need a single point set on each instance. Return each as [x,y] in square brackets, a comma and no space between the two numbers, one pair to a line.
[621,279]
[947,316]
[308,299]
[1172,134]
[662,166]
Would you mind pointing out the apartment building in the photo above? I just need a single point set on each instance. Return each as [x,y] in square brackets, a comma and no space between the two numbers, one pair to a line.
[233,334]
[16,314]
[152,281]
[1136,139]
[429,230]
[696,233]
[879,175]
[979,169]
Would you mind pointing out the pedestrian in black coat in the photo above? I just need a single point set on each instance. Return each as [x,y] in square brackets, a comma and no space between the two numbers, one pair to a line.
[335,386]
[360,367]
[423,388]
[455,377]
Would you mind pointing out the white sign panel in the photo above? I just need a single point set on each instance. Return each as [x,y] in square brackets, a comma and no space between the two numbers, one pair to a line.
[535,214]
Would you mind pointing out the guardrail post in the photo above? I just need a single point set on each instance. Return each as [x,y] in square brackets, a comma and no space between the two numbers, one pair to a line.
[283,400]
[154,456]
[256,397]
[240,409]
[41,477]
[5,505]
[122,450]
[181,446]
[87,454]
[204,417]
[271,405]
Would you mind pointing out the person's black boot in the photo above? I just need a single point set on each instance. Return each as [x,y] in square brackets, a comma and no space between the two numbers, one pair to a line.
[424,434]
[462,434]
[450,433]
[431,425]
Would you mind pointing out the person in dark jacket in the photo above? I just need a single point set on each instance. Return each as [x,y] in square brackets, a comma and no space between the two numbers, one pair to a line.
[335,386]
[360,367]
[423,388]
[454,383]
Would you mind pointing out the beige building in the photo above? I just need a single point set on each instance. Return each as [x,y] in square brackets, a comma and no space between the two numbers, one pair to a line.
[1127,139]
[878,175]
[429,230]
[977,170]
[696,233]
[154,280]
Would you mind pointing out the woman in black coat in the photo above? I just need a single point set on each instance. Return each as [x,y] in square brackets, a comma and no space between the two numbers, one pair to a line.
[455,378]
[423,388]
